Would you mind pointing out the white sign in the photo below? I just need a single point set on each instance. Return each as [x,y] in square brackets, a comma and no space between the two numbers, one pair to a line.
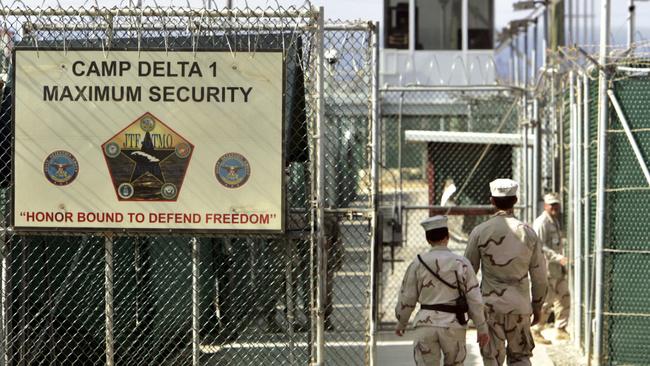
[148,140]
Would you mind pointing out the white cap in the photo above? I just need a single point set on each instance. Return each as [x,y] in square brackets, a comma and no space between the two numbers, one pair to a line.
[551,198]
[434,222]
[503,188]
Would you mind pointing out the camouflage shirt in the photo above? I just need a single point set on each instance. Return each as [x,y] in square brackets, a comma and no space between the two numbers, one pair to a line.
[420,286]
[548,231]
[508,250]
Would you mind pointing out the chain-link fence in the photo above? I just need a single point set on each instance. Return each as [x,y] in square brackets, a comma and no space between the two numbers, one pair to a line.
[350,76]
[610,309]
[440,148]
[119,298]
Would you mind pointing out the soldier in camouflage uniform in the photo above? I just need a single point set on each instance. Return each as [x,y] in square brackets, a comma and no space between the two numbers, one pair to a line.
[436,280]
[558,298]
[508,251]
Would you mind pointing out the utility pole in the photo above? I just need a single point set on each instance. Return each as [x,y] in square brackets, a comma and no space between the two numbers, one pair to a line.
[585,22]
[603,118]
[630,24]
[570,39]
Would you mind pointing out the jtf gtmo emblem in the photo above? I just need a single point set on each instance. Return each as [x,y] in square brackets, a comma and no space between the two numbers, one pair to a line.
[147,160]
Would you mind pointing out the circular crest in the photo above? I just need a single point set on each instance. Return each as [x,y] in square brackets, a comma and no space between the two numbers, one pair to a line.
[125,190]
[112,150]
[168,191]
[232,170]
[147,124]
[61,168]
[183,150]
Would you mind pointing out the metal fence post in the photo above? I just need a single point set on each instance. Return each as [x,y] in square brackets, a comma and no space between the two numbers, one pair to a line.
[374,190]
[630,25]
[569,28]
[5,286]
[569,205]
[399,158]
[577,212]
[537,143]
[108,298]
[321,266]
[586,220]
[553,133]
[537,157]
[515,51]
[527,115]
[195,302]
[559,138]
[524,195]
[603,119]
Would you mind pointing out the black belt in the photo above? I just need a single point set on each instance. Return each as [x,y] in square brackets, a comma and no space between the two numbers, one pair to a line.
[441,307]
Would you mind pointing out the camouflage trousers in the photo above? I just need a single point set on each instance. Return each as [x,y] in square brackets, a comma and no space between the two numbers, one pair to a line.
[558,299]
[509,336]
[430,341]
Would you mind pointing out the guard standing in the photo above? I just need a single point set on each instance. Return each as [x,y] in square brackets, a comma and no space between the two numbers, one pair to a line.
[446,287]
[558,298]
[508,251]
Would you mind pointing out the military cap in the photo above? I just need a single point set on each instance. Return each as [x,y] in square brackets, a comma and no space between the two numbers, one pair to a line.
[503,188]
[434,222]
[551,198]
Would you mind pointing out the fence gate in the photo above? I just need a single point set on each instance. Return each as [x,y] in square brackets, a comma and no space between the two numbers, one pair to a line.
[200,297]
[440,147]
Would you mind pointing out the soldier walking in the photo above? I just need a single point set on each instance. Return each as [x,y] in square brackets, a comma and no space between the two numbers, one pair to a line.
[558,298]
[507,250]
[446,287]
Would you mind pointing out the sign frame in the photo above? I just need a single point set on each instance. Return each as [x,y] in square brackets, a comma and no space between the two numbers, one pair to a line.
[54,230]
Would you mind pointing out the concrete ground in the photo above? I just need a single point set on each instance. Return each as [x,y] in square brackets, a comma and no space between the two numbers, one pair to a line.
[398,351]
[563,353]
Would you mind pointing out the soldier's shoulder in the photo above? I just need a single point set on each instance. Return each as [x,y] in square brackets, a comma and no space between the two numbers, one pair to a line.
[413,265]
[540,220]
[461,259]
[526,229]
[522,225]
[426,256]
[481,227]
[415,260]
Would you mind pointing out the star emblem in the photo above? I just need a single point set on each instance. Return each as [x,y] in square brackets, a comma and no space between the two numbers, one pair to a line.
[148,159]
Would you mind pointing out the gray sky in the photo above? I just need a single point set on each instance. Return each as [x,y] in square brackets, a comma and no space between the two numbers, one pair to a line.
[372,9]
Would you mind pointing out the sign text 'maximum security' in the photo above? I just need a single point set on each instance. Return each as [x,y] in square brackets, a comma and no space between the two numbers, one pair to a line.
[166,91]
[156,93]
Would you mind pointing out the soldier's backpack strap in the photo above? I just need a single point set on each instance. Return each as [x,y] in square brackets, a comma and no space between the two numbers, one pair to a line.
[436,275]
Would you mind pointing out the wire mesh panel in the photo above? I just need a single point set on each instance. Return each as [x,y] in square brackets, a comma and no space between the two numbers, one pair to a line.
[625,249]
[439,151]
[246,299]
[348,150]
[625,232]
